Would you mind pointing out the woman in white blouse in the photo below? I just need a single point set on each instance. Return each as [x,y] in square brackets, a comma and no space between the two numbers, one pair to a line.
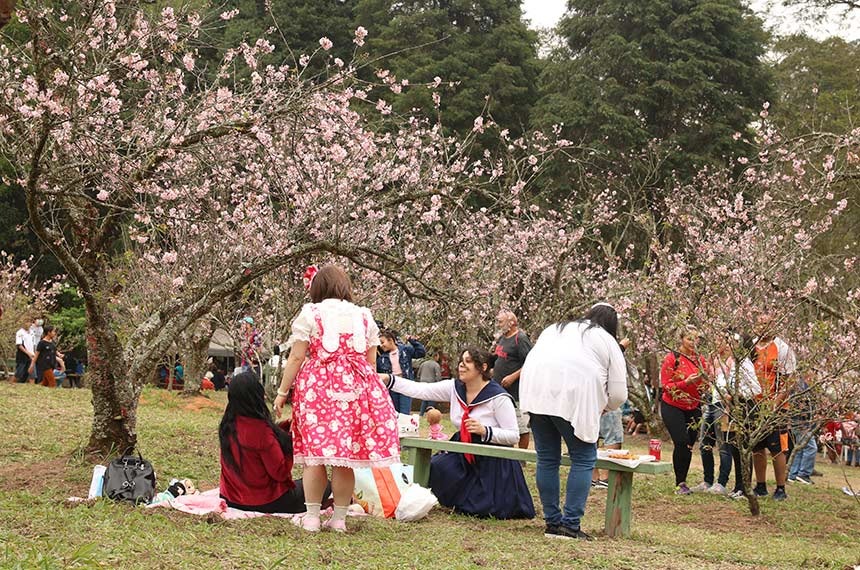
[483,412]
[575,371]
[734,391]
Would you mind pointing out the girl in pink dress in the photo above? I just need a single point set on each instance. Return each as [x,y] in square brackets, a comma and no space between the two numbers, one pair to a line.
[342,415]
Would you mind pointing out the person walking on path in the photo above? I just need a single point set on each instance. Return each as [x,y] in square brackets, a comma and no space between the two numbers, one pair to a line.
[45,359]
[342,414]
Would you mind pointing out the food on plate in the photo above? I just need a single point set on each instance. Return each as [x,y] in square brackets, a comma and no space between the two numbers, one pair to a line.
[621,455]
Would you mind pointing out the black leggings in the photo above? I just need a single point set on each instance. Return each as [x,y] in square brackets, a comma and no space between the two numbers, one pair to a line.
[293,501]
[683,426]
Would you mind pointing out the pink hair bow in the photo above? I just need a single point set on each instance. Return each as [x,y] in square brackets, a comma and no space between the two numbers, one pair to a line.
[309,275]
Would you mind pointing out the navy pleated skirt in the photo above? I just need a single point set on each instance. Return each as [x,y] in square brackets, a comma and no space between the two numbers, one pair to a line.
[489,487]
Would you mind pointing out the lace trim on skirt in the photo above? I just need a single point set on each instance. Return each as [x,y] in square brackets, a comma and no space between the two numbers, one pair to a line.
[345,461]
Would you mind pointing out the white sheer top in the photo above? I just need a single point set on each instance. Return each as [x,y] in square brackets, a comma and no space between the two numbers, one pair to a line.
[574,374]
[743,380]
[338,317]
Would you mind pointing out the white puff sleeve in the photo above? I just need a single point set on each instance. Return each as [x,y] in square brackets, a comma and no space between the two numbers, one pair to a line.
[372,329]
[302,327]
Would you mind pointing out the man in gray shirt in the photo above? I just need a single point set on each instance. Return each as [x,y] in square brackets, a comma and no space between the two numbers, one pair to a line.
[429,371]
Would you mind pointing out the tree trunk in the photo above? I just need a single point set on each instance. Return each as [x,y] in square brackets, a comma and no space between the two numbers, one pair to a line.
[7,8]
[114,394]
[197,352]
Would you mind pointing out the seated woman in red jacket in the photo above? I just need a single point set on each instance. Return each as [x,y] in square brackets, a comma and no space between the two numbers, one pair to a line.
[256,454]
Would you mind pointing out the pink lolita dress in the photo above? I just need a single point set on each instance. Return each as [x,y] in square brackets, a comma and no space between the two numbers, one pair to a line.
[342,413]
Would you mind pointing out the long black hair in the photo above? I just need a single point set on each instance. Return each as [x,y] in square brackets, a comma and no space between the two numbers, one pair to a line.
[245,398]
[600,315]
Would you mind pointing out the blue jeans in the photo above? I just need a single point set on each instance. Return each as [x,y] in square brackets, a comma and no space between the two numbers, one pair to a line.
[402,404]
[708,439]
[804,459]
[548,432]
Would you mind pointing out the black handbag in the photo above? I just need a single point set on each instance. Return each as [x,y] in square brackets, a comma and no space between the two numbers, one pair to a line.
[129,479]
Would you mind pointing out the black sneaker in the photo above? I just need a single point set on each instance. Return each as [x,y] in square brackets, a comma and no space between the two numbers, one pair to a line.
[761,491]
[779,494]
[559,531]
[804,480]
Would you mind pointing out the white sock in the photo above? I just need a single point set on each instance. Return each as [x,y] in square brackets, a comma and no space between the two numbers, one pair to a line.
[313,509]
[339,513]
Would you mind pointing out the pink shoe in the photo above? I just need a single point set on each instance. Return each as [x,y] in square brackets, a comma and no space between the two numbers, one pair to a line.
[307,522]
[337,526]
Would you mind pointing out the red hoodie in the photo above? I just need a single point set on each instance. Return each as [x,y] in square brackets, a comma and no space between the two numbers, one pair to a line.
[676,392]
[264,473]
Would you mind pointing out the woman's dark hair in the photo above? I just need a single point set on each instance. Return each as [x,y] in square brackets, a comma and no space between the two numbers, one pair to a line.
[601,315]
[331,282]
[389,334]
[245,398]
[480,357]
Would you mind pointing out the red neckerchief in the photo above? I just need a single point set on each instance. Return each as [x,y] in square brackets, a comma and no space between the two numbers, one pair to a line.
[465,435]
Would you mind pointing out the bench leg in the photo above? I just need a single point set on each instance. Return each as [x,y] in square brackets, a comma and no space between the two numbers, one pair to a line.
[618,504]
[421,461]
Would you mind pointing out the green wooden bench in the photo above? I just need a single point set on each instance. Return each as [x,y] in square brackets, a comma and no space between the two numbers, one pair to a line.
[618,502]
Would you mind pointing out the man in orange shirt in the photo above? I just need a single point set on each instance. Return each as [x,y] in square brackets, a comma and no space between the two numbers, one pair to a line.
[774,363]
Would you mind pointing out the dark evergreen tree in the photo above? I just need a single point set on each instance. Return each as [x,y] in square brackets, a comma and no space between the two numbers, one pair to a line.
[817,84]
[687,73]
[484,46]
[294,27]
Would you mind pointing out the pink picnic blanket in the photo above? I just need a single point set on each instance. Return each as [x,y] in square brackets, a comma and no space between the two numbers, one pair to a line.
[211,502]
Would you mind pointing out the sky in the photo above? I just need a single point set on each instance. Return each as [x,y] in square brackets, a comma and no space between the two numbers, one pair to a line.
[545,13]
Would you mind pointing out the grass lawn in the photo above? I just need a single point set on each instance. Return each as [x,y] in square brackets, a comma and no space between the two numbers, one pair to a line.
[41,465]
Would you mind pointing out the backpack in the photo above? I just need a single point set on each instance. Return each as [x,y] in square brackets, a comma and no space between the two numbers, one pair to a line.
[130,479]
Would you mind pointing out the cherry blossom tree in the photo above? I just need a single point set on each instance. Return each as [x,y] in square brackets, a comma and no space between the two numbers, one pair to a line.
[762,244]
[116,137]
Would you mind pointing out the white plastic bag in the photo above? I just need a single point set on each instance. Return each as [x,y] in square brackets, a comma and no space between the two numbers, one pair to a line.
[415,503]
[379,490]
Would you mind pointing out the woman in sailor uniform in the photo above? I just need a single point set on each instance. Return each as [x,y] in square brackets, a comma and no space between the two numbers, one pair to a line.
[483,412]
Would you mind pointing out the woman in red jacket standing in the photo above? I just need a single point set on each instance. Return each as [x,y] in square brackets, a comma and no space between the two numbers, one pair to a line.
[256,454]
[683,378]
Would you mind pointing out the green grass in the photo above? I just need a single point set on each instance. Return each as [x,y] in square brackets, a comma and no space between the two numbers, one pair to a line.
[41,465]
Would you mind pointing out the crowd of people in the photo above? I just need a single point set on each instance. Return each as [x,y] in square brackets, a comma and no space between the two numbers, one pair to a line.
[37,359]
[746,401]
[346,379]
